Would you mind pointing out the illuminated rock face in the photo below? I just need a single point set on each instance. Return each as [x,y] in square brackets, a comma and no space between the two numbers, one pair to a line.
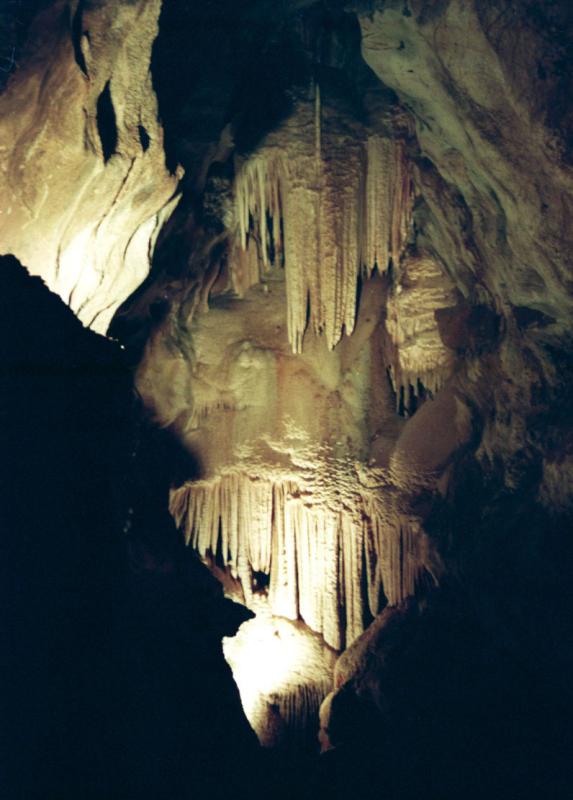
[485,118]
[297,477]
[283,443]
[420,355]
[283,673]
[494,128]
[282,376]
[340,206]
[84,185]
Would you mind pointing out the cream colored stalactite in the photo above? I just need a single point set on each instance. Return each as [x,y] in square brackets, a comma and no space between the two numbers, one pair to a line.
[416,351]
[352,544]
[329,567]
[388,203]
[321,217]
[403,197]
[407,546]
[284,588]
[301,249]
[259,538]
[299,708]
[232,517]
[345,205]
[338,266]
[374,562]
[258,187]
[321,251]
[362,220]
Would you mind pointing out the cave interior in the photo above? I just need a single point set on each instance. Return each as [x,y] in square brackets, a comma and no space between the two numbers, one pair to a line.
[286,367]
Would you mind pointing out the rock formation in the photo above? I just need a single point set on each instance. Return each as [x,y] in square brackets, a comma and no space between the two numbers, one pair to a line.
[84,184]
[357,325]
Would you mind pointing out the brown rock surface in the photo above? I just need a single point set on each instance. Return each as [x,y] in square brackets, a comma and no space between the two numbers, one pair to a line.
[469,75]
[358,440]
[82,175]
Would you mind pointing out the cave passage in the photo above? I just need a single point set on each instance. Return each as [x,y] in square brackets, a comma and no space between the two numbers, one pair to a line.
[286,486]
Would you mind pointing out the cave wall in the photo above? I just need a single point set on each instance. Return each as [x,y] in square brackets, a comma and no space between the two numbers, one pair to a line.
[483,91]
[482,469]
[441,384]
[84,183]
[486,88]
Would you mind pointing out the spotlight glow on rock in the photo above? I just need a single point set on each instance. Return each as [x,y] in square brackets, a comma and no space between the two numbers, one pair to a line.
[283,672]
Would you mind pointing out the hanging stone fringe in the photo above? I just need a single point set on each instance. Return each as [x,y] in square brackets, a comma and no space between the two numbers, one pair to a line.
[333,569]
[330,209]
[416,356]
[388,203]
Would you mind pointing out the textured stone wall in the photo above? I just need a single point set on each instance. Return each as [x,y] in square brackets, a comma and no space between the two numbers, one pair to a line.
[410,430]
[83,180]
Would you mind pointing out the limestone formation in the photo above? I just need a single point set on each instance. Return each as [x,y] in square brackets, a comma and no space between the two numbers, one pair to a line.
[338,211]
[357,326]
[83,179]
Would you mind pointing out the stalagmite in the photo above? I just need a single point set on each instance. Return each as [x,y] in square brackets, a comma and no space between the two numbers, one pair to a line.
[283,672]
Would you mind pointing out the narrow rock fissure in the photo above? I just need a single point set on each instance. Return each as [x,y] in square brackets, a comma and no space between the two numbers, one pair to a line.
[106,123]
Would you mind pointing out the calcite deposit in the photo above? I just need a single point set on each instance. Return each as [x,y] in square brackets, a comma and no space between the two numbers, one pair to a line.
[283,673]
[339,203]
[286,389]
[357,326]
[294,458]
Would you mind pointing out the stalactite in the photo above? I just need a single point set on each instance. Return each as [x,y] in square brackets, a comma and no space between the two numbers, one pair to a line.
[332,567]
[388,203]
[258,187]
[415,354]
[299,708]
[338,204]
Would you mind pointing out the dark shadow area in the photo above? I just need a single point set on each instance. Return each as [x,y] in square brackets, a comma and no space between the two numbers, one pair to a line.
[438,710]
[113,679]
[113,682]
[77,33]
[144,138]
[64,425]
[16,17]
[106,124]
